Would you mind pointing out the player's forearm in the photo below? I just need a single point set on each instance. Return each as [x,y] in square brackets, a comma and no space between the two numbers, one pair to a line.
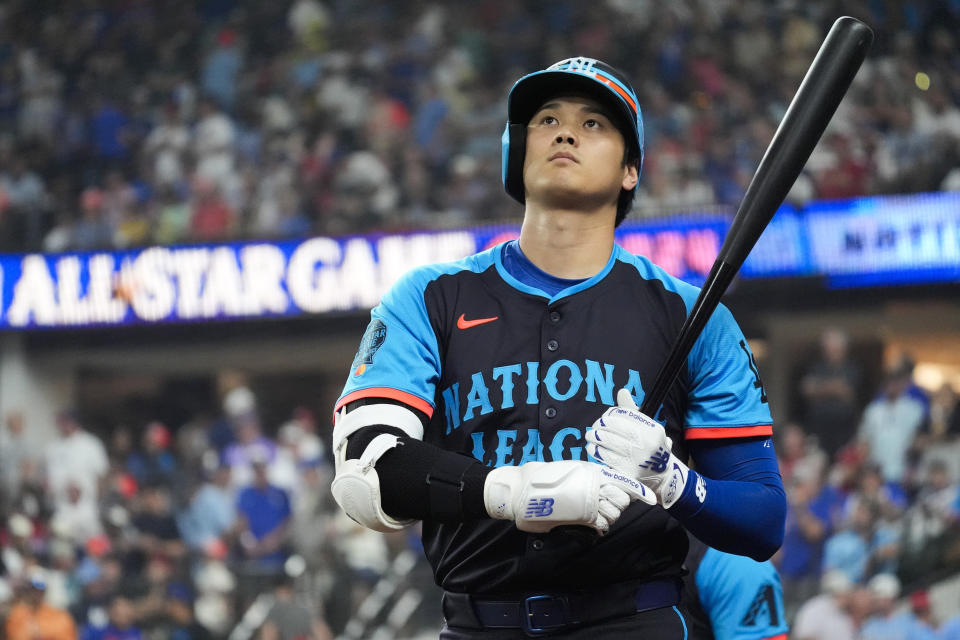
[404,486]
[744,506]
[736,516]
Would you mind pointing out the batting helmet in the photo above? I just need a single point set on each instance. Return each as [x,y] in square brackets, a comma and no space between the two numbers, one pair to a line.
[580,75]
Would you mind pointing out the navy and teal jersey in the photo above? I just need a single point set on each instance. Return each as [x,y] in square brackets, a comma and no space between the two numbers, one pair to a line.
[730,597]
[508,374]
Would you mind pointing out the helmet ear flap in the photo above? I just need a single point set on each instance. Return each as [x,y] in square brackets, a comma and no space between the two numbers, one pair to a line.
[514,151]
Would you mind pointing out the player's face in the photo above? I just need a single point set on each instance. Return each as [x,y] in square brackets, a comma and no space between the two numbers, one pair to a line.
[574,156]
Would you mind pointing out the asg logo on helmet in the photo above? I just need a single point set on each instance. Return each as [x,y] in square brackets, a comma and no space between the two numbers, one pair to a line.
[579,65]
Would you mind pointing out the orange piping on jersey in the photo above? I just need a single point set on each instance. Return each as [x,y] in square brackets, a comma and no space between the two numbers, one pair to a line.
[779,636]
[710,433]
[387,392]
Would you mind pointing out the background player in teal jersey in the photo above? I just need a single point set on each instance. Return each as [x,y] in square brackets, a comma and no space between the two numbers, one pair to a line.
[495,400]
[731,597]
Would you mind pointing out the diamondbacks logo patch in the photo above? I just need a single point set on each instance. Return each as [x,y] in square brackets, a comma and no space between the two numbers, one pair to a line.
[764,605]
[372,340]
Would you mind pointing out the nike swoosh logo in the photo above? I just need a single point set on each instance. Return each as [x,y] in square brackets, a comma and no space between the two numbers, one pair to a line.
[463,323]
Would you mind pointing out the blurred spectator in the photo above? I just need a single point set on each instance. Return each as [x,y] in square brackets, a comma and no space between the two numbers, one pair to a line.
[172,216]
[299,447]
[829,388]
[891,422]
[291,620]
[110,133]
[250,443]
[300,434]
[387,129]
[166,147]
[93,229]
[807,526]
[155,525]
[63,588]
[213,147]
[179,621]
[33,619]
[18,458]
[212,218]
[211,512]
[76,514]
[826,616]
[213,606]
[931,523]
[264,511]
[221,69]
[950,630]
[154,462]
[148,592]
[122,622]
[21,544]
[76,458]
[848,550]
[263,530]
[312,511]
[945,413]
[799,454]
[923,626]
[101,576]
[886,622]
[26,199]
[887,502]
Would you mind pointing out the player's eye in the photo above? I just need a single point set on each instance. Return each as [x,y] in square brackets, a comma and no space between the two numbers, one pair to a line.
[592,124]
[548,120]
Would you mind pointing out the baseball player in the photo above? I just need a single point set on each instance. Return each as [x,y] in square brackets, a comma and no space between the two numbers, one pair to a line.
[495,399]
[731,597]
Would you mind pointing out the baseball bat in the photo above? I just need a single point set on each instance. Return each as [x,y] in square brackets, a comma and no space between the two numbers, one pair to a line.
[821,91]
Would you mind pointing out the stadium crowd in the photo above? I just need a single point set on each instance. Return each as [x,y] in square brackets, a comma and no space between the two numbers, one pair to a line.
[131,123]
[139,122]
[195,530]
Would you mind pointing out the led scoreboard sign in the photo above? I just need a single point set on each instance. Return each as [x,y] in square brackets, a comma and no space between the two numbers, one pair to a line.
[859,242]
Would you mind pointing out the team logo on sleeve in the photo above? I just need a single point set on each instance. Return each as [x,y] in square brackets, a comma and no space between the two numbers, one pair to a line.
[764,605]
[372,340]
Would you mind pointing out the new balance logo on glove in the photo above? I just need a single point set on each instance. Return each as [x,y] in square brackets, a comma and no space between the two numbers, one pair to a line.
[539,507]
[658,461]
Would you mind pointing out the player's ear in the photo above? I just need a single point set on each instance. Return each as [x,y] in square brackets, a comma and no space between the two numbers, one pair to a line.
[630,176]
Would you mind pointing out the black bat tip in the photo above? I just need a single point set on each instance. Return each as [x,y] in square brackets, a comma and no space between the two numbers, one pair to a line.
[855,29]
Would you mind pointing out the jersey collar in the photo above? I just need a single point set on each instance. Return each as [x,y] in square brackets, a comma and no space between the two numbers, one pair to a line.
[569,291]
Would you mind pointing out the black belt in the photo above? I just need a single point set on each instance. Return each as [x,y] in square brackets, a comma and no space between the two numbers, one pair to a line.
[545,613]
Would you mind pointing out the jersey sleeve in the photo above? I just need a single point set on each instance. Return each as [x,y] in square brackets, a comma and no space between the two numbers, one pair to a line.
[727,397]
[742,597]
[398,357]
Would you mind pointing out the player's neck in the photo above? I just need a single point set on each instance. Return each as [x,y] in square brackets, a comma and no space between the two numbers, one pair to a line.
[567,244]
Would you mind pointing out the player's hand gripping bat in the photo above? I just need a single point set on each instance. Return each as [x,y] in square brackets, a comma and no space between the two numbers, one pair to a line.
[825,84]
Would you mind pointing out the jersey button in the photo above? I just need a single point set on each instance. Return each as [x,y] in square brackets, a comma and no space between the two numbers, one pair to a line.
[554,317]
[537,544]
[553,345]
[550,412]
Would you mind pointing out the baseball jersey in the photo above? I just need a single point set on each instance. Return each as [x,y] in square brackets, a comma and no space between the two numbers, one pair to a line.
[508,374]
[731,597]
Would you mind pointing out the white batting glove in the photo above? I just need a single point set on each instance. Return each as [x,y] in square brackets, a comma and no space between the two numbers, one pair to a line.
[637,445]
[539,496]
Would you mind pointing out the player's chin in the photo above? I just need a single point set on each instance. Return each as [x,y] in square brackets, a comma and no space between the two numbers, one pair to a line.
[571,195]
[557,185]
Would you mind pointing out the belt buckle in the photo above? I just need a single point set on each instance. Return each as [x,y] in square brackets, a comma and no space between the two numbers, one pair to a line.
[536,628]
